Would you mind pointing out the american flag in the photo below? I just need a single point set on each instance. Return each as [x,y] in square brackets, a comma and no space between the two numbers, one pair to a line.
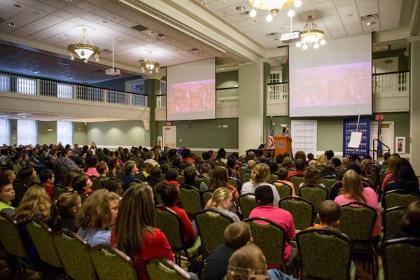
[270,140]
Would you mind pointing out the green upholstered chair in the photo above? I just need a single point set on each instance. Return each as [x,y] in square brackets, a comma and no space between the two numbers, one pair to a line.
[401,259]
[302,210]
[315,194]
[272,178]
[364,216]
[111,263]
[283,190]
[270,237]
[162,269]
[74,254]
[245,176]
[205,197]
[396,198]
[42,237]
[211,226]
[170,223]
[10,238]
[205,180]
[247,203]
[190,199]
[296,181]
[328,183]
[324,254]
[392,220]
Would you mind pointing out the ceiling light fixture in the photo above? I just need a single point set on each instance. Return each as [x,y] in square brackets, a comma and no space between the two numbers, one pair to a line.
[83,49]
[273,7]
[150,65]
[311,36]
[113,71]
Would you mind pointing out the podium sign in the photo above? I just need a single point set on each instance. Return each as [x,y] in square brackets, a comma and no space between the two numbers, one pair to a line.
[282,144]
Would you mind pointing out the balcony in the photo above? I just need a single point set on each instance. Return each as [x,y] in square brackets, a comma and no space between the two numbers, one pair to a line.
[20,93]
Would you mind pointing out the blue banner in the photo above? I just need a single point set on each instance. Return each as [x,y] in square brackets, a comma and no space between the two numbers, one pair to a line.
[349,126]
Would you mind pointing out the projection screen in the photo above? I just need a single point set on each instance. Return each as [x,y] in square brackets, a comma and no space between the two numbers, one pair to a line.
[334,80]
[191,91]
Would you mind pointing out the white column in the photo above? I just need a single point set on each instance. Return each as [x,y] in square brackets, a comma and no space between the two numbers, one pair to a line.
[415,106]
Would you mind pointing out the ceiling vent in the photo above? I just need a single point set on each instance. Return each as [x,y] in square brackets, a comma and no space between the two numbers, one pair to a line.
[273,35]
[139,27]
[370,20]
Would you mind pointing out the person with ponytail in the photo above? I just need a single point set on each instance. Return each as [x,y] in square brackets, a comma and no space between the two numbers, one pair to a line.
[353,191]
[64,212]
[222,200]
[259,177]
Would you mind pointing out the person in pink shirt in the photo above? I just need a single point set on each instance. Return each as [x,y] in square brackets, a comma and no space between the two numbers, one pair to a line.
[389,177]
[90,169]
[353,191]
[283,218]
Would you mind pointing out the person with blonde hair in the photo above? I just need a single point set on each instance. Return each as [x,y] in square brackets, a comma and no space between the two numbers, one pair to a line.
[392,164]
[63,214]
[222,200]
[94,219]
[35,205]
[259,176]
[247,263]
[353,191]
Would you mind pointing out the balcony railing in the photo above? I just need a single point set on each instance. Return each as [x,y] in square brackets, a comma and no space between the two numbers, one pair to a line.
[227,95]
[161,101]
[20,84]
[394,84]
[278,91]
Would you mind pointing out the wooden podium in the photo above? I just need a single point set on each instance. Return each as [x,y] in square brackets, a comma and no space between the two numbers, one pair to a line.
[282,144]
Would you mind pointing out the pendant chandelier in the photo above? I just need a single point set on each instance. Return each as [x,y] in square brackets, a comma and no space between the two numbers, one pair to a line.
[311,36]
[150,65]
[273,7]
[83,49]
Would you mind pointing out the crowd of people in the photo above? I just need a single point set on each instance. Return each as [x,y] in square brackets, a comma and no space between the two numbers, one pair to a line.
[109,197]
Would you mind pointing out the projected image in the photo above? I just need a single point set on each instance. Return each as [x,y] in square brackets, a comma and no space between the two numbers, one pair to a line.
[191,97]
[331,90]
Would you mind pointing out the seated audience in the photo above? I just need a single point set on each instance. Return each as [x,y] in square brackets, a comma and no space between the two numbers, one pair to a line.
[64,212]
[7,194]
[389,177]
[83,186]
[259,177]
[287,163]
[353,191]
[90,169]
[25,178]
[300,169]
[329,214]
[235,235]
[135,233]
[171,177]
[222,200]
[405,178]
[312,178]
[94,219]
[220,179]
[169,195]
[155,176]
[46,176]
[410,223]
[190,176]
[103,170]
[130,170]
[282,175]
[205,171]
[114,185]
[283,218]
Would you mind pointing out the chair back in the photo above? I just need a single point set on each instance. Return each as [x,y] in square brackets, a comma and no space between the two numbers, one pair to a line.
[42,237]
[190,199]
[211,226]
[10,237]
[162,269]
[96,183]
[205,180]
[324,254]
[180,179]
[328,183]
[392,220]
[401,259]
[170,223]
[360,214]
[205,197]
[272,178]
[247,203]
[296,181]
[111,263]
[74,255]
[270,237]
[302,210]
[245,176]
[283,190]
[396,198]
[315,194]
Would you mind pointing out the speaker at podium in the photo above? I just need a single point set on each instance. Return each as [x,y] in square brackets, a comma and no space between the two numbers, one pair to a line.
[282,144]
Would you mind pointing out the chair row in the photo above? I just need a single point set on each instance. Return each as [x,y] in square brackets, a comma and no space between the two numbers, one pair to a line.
[65,253]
